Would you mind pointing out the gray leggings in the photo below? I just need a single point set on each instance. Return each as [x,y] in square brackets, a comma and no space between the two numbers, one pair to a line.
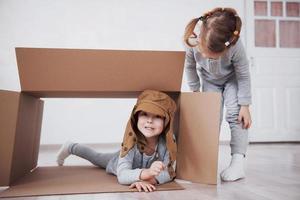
[239,136]
[87,153]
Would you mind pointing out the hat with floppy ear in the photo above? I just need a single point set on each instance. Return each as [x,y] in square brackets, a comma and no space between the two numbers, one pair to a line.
[157,103]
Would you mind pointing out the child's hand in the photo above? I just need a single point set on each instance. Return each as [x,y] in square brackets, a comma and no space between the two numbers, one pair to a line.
[143,185]
[245,117]
[156,167]
[154,170]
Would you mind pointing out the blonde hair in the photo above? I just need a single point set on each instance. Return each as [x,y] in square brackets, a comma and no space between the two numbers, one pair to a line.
[220,29]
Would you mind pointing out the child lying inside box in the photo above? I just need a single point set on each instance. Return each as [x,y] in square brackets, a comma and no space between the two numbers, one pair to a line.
[148,153]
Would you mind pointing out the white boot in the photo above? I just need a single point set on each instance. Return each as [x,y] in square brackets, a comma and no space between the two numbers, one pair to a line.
[63,153]
[235,170]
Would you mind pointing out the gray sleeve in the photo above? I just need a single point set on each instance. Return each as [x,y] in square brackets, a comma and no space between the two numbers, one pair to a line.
[192,77]
[241,67]
[164,176]
[125,174]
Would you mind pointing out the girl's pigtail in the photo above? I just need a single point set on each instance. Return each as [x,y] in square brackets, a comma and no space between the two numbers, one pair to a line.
[238,26]
[189,32]
[236,33]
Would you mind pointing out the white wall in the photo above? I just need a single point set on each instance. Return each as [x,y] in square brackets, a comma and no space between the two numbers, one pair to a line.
[93,24]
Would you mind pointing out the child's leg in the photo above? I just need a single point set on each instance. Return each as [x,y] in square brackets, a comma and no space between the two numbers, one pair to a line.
[85,152]
[239,136]
[209,87]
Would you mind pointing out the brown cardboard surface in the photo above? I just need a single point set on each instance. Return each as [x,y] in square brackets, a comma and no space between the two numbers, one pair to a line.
[27,136]
[76,72]
[99,73]
[198,141]
[71,180]
[21,116]
[9,106]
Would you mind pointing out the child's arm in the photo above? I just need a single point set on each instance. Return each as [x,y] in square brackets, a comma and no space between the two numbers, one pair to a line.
[128,176]
[149,177]
[193,80]
[245,117]
[125,174]
[164,175]
[149,174]
[241,67]
[158,172]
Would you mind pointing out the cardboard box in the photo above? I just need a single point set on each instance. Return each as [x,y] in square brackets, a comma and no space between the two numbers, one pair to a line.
[100,73]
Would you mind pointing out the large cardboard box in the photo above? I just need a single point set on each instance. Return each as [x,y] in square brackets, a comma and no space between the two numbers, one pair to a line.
[99,73]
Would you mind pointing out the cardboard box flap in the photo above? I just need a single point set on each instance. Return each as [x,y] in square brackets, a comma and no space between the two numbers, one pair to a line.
[9,106]
[198,140]
[59,72]
[71,180]
[20,122]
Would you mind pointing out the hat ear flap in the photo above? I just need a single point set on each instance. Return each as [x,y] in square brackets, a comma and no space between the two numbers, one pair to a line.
[129,138]
[171,146]
[170,140]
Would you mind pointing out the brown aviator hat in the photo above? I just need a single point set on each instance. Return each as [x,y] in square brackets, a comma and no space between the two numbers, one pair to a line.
[157,103]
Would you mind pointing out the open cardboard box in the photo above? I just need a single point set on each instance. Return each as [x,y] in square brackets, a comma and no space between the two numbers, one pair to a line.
[99,73]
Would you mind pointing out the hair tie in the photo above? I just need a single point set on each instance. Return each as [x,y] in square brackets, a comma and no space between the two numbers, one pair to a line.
[202,18]
[236,33]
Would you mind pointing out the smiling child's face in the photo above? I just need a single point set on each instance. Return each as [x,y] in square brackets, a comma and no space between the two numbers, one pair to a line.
[149,124]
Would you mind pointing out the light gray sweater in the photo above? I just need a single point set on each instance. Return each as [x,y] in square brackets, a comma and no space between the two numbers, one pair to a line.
[233,64]
[128,168]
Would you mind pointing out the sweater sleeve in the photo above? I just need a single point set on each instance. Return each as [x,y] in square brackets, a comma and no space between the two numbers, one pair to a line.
[241,67]
[193,80]
[125,174]
[164,176]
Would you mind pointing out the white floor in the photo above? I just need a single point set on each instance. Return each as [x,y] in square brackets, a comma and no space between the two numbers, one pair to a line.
[273,172]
